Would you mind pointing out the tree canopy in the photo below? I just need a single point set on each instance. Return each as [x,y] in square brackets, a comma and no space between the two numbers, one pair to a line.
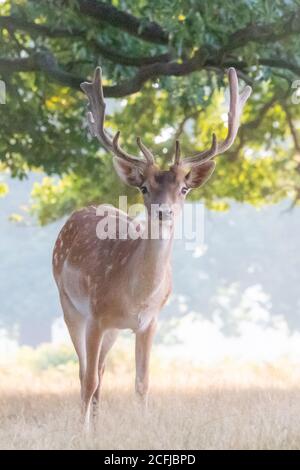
[165,63]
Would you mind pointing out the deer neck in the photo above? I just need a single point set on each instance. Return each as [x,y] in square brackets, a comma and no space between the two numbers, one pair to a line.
[153,262]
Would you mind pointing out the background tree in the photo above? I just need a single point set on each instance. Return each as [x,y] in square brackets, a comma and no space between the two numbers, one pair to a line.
[165,62]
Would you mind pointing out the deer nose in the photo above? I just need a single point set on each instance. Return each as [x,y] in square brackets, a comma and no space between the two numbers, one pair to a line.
[165,214]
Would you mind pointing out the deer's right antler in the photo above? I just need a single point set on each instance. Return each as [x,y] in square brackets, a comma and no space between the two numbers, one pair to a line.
[237,102]
[96,116]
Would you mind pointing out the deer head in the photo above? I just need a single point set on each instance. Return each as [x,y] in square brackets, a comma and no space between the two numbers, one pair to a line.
[165,189]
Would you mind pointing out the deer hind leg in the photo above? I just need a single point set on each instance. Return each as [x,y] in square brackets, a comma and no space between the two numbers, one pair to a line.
[108,341]
[93,338]
[76,325]
[143,343]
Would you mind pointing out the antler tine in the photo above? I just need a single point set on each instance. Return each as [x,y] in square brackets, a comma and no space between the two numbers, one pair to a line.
[145,151]
[204,156]
[237,102]
[125,156]
[96,116]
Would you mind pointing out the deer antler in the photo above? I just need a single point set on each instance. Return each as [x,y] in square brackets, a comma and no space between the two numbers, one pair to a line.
[96,116]
[237,102]
[146,152]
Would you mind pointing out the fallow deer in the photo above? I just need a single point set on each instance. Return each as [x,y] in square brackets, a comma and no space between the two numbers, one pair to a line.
[110,284]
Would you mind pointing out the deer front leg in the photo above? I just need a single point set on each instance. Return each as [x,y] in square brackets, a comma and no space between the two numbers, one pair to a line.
[94,335]
[108,341]
[144,340]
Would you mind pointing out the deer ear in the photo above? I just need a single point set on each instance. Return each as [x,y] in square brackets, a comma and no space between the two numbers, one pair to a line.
[200,174]
[128,172]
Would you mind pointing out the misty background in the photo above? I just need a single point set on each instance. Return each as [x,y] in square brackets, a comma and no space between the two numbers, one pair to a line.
[236,295]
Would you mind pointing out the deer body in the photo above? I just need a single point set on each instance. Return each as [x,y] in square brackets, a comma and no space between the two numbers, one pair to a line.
[105,279]
[109,285]
[113,283]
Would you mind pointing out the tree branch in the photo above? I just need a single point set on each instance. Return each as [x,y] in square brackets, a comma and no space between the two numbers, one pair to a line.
[150,67]
[17,65]
[287,25]
[133,85]
[13,23]
[45,62]
[40,62]
[118,58]
[204,58]
[148,31]
[152,32]
[281,64]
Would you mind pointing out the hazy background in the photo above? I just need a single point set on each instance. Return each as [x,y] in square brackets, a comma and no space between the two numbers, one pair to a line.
[235,296]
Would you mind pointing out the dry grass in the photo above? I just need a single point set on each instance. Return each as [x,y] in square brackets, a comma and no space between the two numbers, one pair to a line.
[226,407]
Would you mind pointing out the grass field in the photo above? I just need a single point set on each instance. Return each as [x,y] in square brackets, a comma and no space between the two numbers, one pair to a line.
[226,406]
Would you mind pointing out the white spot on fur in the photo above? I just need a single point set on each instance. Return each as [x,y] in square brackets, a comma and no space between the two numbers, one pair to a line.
[124,260]
[108,269]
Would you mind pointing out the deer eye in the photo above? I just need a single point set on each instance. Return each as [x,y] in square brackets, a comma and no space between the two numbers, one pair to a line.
[184,190]
[143,189]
